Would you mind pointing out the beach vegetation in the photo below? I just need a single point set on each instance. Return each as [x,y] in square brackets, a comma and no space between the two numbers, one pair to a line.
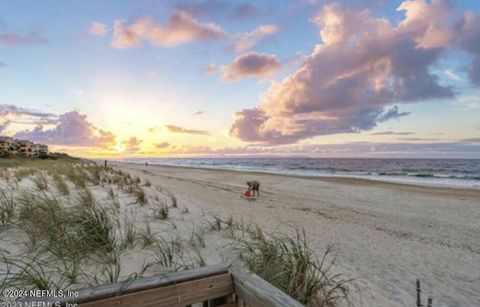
[140,195]
[7,207]
[147,237]
[161,213]
[61,184]
[198,238]
[292,266]
[74,236]
[129,233]
[41,181]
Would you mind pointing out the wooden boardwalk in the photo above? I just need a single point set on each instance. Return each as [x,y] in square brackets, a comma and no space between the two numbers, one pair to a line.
[230,286]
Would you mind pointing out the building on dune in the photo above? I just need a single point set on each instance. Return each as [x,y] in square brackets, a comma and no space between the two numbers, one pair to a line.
[23,148]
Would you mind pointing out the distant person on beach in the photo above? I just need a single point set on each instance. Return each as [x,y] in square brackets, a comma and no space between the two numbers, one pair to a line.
[105,163]
[254,186]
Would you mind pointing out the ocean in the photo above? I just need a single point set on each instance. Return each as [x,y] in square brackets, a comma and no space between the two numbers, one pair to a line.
[463,173]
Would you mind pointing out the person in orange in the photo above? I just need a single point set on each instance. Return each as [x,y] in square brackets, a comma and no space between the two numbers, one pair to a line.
[254,186]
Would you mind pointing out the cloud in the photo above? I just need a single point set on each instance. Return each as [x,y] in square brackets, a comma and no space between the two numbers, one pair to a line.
[451,75]
[391,113]
[12,39]
[177,129]
[247,40]
[465,148]
[132,145]
[469,40]
[392,133]
[8,109]
[181,28]
[252,64]
[470,101]
[4,125]
[72,129]
[162,145]
[410,139]
[210,69]
[472,140]
[98,29]
[13,114]
[363,67]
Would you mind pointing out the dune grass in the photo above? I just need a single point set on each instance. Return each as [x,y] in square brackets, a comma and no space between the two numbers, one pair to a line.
[74,236]
[147,237]
[140,195]
[67,230]
[61,184]
[288,263]
[7,207]
[41,181]
[161,213]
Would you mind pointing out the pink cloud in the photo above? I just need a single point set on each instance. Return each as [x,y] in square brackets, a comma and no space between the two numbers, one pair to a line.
[252,64]
[245,41]
[98,29]
[162,145]
[210,69]
[72,129]
[12,39]
[132,145]
[181,28]
[12,114]
[178,129]
[362,67]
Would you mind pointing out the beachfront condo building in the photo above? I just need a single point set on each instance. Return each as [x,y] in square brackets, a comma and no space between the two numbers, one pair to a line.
[24,148]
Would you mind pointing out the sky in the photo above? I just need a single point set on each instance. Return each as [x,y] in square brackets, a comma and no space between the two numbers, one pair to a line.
[146,78]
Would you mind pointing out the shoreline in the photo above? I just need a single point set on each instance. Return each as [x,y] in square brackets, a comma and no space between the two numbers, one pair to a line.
[330,179]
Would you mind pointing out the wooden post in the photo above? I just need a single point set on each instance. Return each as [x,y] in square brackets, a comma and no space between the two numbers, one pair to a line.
[255,291]
[419,294]
[430,301]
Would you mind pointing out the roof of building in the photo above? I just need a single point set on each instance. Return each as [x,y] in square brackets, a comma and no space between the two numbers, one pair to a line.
[24,142]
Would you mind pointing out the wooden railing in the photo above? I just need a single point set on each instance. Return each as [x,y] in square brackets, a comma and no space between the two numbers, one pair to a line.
[207,286]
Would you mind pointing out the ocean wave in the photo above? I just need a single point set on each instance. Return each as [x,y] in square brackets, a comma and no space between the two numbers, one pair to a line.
[455,173]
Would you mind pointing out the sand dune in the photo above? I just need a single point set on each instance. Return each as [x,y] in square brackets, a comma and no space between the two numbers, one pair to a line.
[386,235]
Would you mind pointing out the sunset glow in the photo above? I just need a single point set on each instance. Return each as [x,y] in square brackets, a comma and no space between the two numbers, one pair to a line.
[188,78]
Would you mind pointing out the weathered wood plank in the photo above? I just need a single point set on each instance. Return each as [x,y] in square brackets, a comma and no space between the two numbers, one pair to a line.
[145,283]
[181,294]
[255,291]
[247,295]
[240,302]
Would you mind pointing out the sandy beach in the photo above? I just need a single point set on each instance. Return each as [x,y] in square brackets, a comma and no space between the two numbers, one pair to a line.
[385,235]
